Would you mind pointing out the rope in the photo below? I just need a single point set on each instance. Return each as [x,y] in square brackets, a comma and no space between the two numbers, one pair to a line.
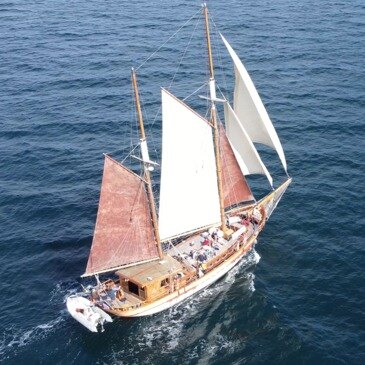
[158,49]
[215,35]
[194,92]
[150,126]
[129,154]
[183,55]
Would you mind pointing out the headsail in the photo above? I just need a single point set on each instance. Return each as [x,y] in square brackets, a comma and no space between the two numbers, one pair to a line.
[235,187]
[123,233]
[250,110]
[245,151]
[189,190]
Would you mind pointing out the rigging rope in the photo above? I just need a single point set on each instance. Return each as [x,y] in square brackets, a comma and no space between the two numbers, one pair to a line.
[158,49]
[151,125]
[130,153]
[183,55]
[194,92]
[215,35]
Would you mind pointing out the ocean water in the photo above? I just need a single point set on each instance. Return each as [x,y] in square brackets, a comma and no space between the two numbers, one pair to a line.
[65,98]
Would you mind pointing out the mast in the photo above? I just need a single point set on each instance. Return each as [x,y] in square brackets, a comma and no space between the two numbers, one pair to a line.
[146,165]
[212,90]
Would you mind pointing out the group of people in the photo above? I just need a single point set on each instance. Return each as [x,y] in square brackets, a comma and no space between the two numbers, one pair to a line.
[109,291]
[211,241]
[212,238]
[253,217]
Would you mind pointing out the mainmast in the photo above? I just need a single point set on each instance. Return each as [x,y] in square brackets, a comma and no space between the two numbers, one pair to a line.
[212,90]
[146,164]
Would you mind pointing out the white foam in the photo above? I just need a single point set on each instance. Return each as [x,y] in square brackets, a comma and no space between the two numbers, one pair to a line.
[210,347]
[167,330]
[15,338]
[257,257]
[251,282]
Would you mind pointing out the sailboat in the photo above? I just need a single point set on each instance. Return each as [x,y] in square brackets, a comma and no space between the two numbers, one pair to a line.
[208,218]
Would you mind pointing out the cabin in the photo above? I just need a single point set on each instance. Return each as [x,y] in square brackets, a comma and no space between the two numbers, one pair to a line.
[152,280]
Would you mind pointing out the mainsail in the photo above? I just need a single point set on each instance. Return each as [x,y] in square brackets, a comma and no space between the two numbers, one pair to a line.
[124,232]
[235,187]
[189,190]
[245,151]
[250,110]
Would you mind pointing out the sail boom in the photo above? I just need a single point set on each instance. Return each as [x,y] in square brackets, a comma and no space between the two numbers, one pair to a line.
[196,230]
[85,275]
[235,210]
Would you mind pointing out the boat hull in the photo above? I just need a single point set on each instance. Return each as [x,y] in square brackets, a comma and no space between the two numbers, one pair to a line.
[185,292]
[269,203]
[86,313]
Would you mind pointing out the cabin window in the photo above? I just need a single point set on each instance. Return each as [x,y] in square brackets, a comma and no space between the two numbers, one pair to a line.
[165,282]
[133,288]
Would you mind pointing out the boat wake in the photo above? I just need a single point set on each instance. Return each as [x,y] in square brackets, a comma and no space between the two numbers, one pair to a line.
[170,330]
[15,338]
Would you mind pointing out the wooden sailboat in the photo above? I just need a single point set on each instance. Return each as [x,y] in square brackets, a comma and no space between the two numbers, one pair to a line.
[208,218]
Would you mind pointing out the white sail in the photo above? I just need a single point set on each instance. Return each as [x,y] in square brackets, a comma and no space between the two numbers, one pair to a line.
[251,111]
[243,148]
[189,189]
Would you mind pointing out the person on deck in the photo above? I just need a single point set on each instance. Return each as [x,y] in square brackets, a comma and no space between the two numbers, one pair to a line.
[120,295]
[206,242]
[214,236]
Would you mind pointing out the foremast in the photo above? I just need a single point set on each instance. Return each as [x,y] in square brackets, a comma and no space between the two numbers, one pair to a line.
[212,91]
[146,164]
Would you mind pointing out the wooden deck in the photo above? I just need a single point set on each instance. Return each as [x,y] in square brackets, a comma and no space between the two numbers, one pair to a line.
[183,264]
[192,251]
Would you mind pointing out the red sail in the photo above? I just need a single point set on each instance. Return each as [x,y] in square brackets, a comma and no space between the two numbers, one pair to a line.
[123,232]
[235,187]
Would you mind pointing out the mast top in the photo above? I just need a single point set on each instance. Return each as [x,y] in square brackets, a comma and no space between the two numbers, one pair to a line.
[207,31]
[138,105]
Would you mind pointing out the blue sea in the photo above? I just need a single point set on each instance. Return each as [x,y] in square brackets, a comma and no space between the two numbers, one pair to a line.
[65,99]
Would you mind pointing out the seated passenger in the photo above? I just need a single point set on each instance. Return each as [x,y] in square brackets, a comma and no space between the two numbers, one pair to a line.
[215,246]
[245,222]
[120,295]
[206,242]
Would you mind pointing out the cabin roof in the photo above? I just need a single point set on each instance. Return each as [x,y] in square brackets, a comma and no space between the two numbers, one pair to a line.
[148,272]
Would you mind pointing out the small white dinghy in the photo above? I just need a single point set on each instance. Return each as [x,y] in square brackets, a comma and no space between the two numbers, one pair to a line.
[88,314]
